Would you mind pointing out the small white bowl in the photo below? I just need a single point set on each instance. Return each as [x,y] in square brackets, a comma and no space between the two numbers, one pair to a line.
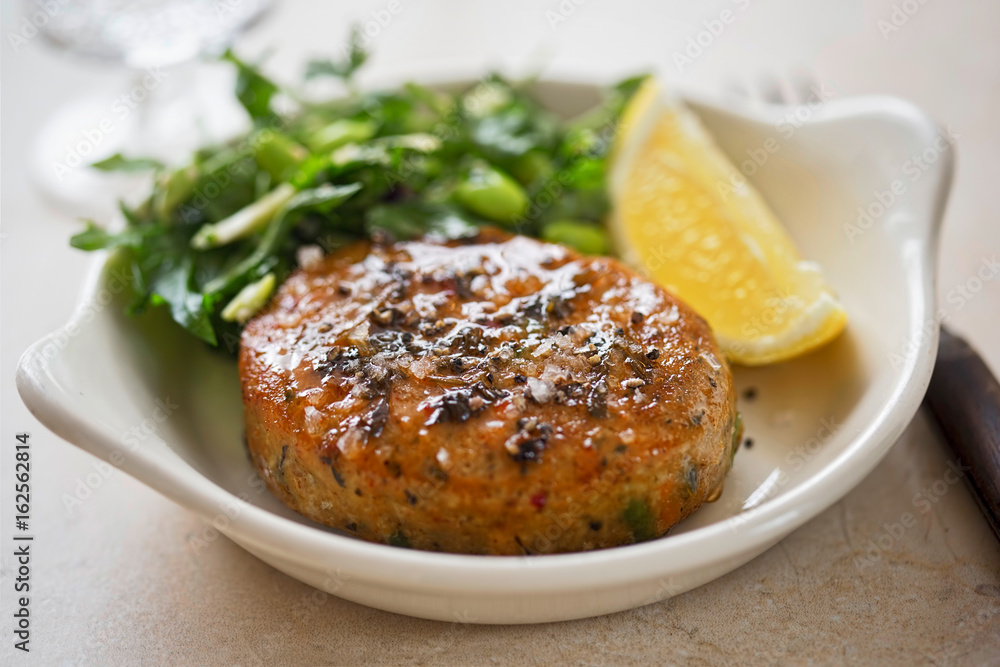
[150,399]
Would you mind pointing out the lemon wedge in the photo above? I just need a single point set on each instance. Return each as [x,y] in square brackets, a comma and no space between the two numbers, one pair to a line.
[719,248]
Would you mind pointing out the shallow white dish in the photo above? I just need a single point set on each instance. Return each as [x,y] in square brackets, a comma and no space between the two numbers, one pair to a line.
[150,399]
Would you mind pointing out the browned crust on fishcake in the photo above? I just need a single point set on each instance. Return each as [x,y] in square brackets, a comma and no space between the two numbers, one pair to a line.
[493,395]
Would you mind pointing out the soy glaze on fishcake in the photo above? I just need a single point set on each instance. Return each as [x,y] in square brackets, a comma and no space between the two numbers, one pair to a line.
[492,395]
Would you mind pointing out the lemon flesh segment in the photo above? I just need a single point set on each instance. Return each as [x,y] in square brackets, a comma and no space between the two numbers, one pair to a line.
[678,219]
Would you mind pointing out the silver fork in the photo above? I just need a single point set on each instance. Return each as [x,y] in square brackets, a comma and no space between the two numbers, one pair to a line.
[963,395]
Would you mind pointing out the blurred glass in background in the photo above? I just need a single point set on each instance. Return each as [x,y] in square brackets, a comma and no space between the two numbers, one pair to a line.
[168,108]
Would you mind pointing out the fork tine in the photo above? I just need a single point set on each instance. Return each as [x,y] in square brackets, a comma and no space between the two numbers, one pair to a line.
[737,88]
[771,90]
[805,86]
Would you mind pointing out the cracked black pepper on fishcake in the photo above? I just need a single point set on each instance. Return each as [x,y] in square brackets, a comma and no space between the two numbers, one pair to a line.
[492,395]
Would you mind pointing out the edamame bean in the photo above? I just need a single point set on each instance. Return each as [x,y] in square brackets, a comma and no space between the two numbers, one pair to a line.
[277,153]
[492,194]
[585,237]
[532,166]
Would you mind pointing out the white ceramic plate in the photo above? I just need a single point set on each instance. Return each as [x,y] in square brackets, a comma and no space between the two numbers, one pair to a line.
[150,399]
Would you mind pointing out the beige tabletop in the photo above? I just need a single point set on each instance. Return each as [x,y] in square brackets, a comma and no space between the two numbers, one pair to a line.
[118,580]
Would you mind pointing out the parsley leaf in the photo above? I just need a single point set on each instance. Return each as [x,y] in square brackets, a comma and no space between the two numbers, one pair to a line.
[356,56]
[253,89]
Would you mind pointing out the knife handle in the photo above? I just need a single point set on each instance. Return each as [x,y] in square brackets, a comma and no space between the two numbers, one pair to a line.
[964,398]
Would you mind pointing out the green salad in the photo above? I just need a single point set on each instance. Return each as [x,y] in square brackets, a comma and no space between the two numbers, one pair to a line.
[217,235]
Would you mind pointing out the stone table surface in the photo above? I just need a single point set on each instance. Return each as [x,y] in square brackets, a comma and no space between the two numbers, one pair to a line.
[116,580]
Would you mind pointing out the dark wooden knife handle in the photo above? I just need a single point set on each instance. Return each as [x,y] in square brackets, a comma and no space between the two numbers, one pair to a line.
[964,398]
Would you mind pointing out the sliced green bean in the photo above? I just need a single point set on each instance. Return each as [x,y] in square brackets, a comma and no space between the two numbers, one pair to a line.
[250,299]
[245,221]
[341,132]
